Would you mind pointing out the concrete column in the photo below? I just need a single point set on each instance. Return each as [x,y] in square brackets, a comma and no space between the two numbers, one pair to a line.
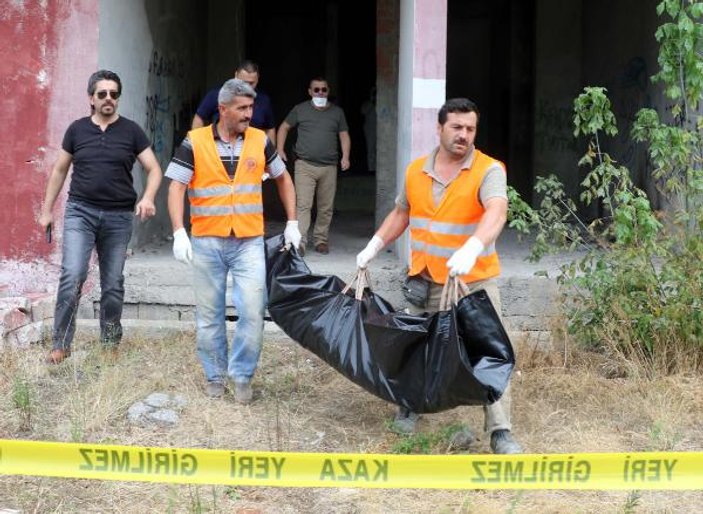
[387,32]
[422,83]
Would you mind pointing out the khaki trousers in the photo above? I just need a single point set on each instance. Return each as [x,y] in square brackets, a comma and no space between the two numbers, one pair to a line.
[310,179]
[496,415]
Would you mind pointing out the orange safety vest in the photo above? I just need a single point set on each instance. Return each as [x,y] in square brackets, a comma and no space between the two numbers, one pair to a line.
[437,231]
[220,206]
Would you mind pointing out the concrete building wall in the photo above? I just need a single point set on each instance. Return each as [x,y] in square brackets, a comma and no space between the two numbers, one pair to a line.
[622,56]
[558,79]
[225,39]
[594,43]
[421,85]
[49,49]
[43,88]
[387,40]
[159,51]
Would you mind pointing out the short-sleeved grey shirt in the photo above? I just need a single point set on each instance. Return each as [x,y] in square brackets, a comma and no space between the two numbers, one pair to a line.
[318,132]
[494,183]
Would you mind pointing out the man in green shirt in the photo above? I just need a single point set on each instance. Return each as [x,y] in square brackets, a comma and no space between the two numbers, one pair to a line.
[319,125]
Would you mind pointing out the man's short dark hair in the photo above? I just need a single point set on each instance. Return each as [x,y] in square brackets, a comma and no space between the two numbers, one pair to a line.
[456,105]
[248,66]
[318,78]
[103,75]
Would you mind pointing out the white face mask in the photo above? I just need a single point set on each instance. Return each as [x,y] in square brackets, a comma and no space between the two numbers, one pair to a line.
[319,101]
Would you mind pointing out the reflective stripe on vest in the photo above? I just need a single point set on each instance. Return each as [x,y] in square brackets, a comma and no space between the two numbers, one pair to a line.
[223,190]
[442,251]
[221,206]
[437,231]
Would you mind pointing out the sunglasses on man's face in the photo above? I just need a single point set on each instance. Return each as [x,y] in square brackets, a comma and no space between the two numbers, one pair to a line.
[103,94]
[319,90]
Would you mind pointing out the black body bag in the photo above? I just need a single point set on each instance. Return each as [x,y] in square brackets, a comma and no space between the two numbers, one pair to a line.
[460,356]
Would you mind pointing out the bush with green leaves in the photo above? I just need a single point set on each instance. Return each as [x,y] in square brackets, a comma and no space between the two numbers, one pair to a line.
[636,289]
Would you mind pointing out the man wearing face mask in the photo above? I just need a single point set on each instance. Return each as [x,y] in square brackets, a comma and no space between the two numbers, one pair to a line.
[320,124]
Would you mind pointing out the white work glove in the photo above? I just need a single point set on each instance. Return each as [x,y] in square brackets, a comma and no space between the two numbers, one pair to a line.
[291,234]
[464,258]
[182,250]
[372,248]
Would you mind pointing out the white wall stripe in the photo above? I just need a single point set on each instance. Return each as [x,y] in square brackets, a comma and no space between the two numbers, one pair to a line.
[429,93]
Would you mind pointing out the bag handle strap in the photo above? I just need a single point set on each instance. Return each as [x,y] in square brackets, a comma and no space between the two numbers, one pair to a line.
[454,290]
[362,280]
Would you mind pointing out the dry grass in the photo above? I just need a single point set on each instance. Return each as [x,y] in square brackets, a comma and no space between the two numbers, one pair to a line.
[303,405]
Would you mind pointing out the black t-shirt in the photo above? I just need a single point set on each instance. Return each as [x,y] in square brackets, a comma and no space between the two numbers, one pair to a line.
[102,162]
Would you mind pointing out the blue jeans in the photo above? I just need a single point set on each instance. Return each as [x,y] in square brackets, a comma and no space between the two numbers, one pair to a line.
[213,258]
[108,232]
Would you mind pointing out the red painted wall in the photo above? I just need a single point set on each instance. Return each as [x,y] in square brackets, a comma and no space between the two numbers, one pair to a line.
[49,49]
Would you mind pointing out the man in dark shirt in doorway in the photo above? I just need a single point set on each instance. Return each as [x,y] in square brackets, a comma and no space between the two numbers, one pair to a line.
[100,208]
[263,119]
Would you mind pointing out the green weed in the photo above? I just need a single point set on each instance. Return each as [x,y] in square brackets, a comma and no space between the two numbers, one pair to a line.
[23,400]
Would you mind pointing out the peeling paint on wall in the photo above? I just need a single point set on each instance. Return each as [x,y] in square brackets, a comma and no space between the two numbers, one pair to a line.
[42,90]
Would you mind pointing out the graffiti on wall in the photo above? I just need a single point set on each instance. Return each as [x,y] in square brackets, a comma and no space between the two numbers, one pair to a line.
[169,111]
[166,66]
[630,94]
[554,128]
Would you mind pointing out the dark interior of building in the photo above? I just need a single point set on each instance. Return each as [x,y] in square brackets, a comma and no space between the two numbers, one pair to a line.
[489,60]
[296,41]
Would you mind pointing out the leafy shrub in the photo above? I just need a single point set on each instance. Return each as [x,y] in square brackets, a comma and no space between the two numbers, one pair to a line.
[636,289]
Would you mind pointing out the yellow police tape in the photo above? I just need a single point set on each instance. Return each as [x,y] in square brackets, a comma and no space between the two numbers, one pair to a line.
[650,470]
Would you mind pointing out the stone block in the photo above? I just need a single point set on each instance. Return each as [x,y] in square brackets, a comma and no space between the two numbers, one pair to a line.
[129,310]
[43,305]
[187,313]
[158,311]
[86,310]
[20,303]
[137,411]
[166,400]
[164,417]
[14,313]
[25,335]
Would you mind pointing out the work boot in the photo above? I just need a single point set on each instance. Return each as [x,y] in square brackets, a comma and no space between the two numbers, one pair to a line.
[58,355]
[215,389]
[243,393]
[322,248]
[405,421]
[462,439]
[502,442]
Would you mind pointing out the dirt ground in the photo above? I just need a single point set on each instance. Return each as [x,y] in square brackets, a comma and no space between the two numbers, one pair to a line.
[302,404]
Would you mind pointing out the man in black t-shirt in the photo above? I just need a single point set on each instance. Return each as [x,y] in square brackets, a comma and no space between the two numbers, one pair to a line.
[100,209]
